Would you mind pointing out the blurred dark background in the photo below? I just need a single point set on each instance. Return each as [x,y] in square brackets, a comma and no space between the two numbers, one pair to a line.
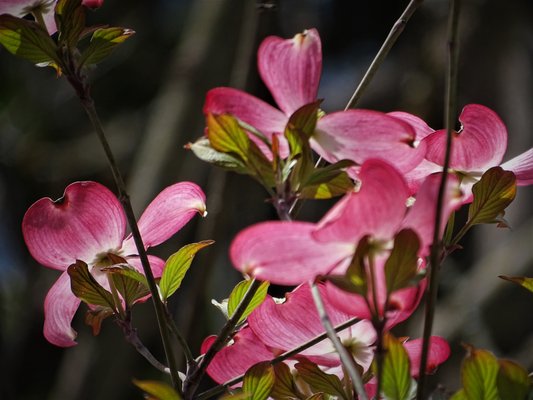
[150,95]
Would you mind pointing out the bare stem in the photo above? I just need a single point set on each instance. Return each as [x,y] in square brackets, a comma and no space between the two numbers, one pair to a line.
[276,360]
[346,359]
[394,33]
[82,89]
[436,247]
[190,385]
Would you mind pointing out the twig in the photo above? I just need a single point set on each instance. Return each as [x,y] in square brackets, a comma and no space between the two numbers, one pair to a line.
[193,378]
[346,358]
[394,33]
[276,360]
[436,247]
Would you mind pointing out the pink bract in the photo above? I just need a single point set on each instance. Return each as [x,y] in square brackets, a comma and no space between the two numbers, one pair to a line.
[86,224]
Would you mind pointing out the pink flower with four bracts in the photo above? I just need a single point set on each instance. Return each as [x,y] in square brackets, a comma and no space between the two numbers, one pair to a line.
[87,224]
[291,70]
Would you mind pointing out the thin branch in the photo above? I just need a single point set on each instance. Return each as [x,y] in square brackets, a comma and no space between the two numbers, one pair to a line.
[346,358]
[181,340]
[87,102]
[190,385]
[394,33]
[282,357]
[436,247]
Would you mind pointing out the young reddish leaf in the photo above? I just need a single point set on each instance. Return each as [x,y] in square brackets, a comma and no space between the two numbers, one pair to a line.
[28,40]
[86,288]
[396,378]
[177,266]
[70,21]
[316,396]
[284,385]
[492,194]
[258,381]
[478,375]
[319,380]
[96,316]
[525,282]
[401,266]
[203,150]
[513,381]
[103,42]
[156,390]
[238,293]
[130,283]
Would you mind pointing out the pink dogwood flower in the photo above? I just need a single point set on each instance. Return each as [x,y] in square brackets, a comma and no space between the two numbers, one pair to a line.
[479,145]
[21,8]
[87,223]
[290,253]
[291,70]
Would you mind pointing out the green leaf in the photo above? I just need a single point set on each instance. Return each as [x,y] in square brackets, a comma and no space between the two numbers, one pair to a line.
[86,288]
[492,194]
[102,44]
[157,390]
[237,294]
[28,40]
[478,375]
[70,21]
[396,377]
[355,279]
[512,381]
[319,380]
[327,182]
[130,283]
[258,381]
[300,128]
[177,266]
[284,386]
[459,395]
[401,266]
[525,282]
[203,150]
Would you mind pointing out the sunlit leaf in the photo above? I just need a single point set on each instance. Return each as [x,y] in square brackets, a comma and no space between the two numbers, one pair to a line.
[319,380]
[300,128]
[328,182]
[258,381]
[103,42]
[237,294]
[401,266]
[86,288]
[355,279]
[203,150]
[396,377]
[177,266]
[492,194]
[459,395]
[70,21]
[525,282]
[478,375]
[28,40]
[157,390]
[513,381]
[284,386]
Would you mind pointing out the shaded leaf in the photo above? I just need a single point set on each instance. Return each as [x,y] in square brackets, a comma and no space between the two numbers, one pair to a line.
[103,42]
[284,386]
[459,395]
[70,21]
[86,288]
[396,377]
[512,381]
[492,194]
[319,380]
[316,396]
[478,375]
[401,266]
[96,316]
[177,266]
[130,287]
[237,294]
[300,128]
[258,381]
[525,282]
[328,182]
[28,40]
[157,390]
[203,150]
[354,281]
